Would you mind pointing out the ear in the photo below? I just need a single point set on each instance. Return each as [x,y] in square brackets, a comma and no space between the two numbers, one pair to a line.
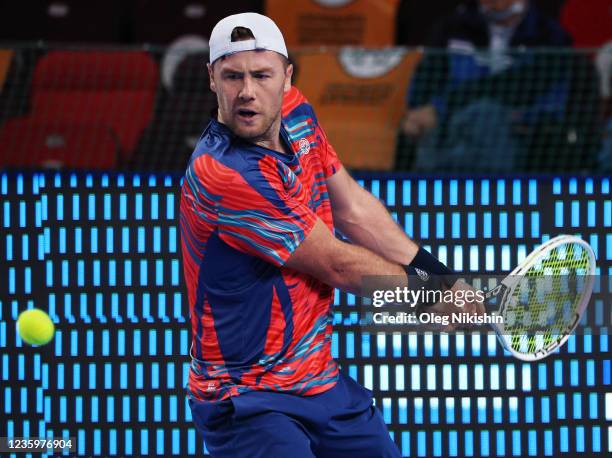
[288,76]
[211,78]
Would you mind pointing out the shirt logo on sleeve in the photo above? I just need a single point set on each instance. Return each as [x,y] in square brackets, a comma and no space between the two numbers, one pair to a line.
[304,146]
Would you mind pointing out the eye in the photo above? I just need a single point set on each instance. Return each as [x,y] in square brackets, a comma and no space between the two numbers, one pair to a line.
[261,76]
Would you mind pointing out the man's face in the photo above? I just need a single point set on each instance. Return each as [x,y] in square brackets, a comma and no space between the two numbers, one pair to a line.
[250,86]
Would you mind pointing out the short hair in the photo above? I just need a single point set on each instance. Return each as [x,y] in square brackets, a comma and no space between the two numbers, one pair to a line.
[244,34]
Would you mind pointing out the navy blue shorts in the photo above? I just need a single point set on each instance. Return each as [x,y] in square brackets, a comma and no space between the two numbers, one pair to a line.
[341,422]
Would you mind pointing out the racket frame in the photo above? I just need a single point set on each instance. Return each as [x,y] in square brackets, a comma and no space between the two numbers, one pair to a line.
[507,285]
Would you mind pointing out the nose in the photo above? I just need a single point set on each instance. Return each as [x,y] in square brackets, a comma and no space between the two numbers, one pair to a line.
[247,92]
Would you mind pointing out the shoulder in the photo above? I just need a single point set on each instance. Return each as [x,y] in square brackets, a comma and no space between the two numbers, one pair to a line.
[221,159]
[550,31]
[220,145]
[295,105]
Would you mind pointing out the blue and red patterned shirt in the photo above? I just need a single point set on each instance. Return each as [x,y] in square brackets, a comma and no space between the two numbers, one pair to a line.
[257,325]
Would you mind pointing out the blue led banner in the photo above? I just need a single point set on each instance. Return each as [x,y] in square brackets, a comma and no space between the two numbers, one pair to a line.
[101,253]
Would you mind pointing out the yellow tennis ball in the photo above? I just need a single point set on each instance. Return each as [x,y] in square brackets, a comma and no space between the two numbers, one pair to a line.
[35,327]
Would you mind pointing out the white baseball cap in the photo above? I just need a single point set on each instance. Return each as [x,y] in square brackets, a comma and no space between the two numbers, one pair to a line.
[267,36]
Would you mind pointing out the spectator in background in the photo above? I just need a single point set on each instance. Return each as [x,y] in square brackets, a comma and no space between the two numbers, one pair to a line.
[481,105]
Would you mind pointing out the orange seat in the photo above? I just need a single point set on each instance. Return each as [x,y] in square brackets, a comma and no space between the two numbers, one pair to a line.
[6,55]
[352,22]
[28,142]
[115,89]
[359,97]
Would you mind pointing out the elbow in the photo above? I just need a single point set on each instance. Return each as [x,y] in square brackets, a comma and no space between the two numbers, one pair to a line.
[341,274]
[336,274]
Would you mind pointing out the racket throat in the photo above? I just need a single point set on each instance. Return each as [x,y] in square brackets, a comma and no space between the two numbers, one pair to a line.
[498,290]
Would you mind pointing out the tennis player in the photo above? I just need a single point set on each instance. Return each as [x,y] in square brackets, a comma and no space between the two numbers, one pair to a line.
[263,192]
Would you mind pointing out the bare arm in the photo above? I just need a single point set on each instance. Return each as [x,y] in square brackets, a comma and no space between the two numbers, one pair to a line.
[366,222]
[341,264]
[344,266]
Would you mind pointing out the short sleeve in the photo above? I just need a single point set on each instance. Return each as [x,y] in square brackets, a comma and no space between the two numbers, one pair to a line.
[329,158]
[263,212]
[295,104]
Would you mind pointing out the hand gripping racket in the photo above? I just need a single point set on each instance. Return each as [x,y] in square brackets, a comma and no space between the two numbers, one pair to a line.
[543,299]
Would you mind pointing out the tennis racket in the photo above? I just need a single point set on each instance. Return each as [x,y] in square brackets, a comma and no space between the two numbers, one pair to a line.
[543,299]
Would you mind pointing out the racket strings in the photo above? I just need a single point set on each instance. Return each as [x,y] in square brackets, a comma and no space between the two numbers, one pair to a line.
[543,306]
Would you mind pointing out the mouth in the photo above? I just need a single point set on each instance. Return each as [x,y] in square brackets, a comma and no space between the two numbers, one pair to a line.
[246,114]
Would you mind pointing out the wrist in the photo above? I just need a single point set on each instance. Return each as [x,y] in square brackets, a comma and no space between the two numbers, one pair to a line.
[425,261]
[431,287]
[429,275]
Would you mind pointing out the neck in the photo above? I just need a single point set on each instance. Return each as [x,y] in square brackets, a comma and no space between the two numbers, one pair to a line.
[274,143]
[271,138]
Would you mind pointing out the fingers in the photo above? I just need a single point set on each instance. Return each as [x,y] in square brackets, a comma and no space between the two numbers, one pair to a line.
[410,127]
[428,117]
[472,305]
[459,309]
[413,125]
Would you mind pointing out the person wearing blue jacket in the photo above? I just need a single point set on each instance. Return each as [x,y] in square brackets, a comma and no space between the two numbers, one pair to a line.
[491,101]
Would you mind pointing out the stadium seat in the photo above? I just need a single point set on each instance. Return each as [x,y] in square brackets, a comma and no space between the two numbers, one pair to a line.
[64,21]
[359,98]
[335,22]
[28,142]
[161,21]
[6,56]
[590,26]
[117,89]
[183,111]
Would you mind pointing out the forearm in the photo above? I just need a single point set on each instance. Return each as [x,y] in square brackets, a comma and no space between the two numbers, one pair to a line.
[353,264]
[343,265]
[368,224]
[358,270]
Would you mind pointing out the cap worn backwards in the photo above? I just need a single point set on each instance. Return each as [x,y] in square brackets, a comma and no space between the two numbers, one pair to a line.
[267,36]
